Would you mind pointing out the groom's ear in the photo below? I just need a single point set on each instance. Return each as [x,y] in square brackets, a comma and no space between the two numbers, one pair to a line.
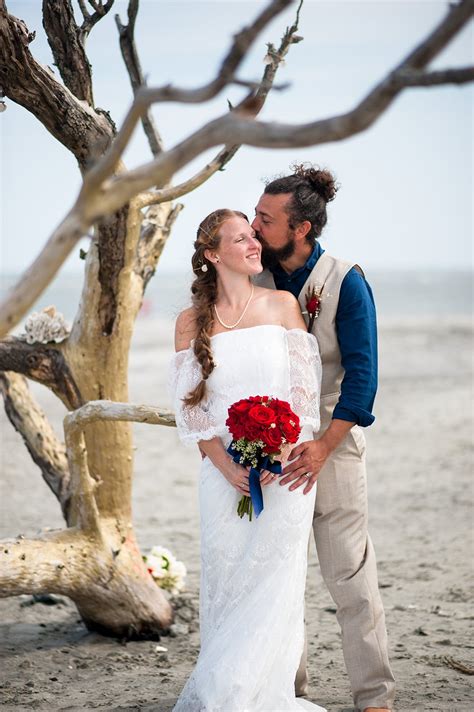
[302,229]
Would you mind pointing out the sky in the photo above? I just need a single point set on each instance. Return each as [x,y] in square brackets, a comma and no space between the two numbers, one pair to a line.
[406,186]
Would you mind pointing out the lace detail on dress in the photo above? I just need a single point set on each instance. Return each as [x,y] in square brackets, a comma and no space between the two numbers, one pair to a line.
[196,423]
[305,376]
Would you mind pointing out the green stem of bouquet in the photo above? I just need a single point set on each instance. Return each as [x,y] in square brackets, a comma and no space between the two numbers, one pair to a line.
[245,507]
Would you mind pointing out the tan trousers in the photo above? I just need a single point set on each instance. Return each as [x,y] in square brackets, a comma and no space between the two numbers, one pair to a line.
[348,566]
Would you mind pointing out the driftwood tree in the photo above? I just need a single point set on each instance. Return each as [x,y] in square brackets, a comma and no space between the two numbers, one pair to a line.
[95,560]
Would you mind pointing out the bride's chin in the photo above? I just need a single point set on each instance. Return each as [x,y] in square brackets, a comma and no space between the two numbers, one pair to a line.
[256,268]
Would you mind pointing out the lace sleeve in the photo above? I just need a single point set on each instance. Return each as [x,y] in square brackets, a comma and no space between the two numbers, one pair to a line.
[305,376]
[196,423]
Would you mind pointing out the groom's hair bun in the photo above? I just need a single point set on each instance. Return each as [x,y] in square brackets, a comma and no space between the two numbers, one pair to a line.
[321,180]
[311,189]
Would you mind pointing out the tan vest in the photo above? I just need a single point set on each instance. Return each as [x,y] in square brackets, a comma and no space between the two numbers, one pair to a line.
[327,274]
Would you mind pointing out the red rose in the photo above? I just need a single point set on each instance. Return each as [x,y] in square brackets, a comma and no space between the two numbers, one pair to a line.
[238,431]
[290,427]
[262,414]
[253,431]
[241,406]
[282,407]
[272,439]
[236,424]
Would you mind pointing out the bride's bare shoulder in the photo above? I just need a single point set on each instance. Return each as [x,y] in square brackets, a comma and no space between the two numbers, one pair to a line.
[277,298]
[283,307]
[185,329]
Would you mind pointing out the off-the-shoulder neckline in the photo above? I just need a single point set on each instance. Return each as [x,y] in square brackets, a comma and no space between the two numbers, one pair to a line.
[248,328]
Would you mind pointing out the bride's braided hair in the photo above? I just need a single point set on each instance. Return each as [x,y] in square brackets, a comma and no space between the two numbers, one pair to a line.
[204,295]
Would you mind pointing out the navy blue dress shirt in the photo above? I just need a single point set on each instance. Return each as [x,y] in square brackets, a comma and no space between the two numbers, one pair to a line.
[356,330]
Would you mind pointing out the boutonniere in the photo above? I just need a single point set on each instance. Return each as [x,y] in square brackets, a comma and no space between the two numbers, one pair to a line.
[313,304]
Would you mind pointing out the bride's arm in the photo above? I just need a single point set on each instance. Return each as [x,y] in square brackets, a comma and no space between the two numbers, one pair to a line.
[185,329]
[235,474]
[291,317]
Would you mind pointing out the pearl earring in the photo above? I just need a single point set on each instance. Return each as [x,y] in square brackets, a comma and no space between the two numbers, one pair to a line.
[204,268]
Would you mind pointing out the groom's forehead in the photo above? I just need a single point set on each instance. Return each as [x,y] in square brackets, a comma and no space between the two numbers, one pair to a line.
[272,205]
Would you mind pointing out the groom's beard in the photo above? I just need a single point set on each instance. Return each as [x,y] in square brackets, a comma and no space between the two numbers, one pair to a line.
[271,257]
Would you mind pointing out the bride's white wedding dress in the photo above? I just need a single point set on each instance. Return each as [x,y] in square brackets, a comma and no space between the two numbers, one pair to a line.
[252,573]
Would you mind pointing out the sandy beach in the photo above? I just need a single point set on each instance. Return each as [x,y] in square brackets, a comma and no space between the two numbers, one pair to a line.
[420,487]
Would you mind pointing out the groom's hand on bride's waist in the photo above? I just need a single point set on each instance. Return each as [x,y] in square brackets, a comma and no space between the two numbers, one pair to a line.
[309,458]
[307,461]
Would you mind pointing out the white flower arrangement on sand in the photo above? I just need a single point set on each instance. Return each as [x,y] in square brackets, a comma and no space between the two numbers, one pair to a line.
[45,326]
[166,570]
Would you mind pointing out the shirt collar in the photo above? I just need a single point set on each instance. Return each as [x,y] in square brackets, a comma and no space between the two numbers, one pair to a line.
[278,270]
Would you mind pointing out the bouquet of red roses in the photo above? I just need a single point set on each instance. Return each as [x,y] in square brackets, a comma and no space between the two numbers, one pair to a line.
[261,427]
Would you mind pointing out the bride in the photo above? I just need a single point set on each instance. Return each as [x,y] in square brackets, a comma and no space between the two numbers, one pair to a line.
[236,341]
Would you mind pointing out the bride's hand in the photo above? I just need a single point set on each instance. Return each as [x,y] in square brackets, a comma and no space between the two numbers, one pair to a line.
[237,476]
[266,477]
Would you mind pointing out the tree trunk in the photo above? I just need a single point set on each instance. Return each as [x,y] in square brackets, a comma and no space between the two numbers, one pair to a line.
[125,598]
[103,574]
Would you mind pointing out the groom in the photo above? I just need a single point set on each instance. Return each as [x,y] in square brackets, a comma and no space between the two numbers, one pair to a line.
[289,219]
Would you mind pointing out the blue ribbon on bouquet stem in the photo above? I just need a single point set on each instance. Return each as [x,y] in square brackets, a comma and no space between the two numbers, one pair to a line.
[263,463]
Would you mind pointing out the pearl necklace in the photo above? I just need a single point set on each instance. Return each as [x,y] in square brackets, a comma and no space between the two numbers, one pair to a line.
[232,326]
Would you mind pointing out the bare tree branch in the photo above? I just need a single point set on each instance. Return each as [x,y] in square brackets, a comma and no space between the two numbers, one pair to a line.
[94,574]
[273,135]
[155,230]
[44,363]
[132,63]
[56,250]
[275,58]
[145,97]
[101,10]
[59,557]
[40,439]
[107,410]
[459,75]
[84,9]
[85,132]
[67,46]
[83,486]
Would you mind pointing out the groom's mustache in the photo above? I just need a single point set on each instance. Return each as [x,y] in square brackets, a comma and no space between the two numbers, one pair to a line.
[268,256]
[271,257]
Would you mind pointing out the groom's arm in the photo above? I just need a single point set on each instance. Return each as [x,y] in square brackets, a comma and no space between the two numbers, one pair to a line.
[357,337]
[356,329]
[311,456]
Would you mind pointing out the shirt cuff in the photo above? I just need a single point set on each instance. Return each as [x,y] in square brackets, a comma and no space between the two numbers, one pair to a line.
[353,414]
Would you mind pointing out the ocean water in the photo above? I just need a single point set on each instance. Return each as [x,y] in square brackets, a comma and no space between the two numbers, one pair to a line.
[406,295]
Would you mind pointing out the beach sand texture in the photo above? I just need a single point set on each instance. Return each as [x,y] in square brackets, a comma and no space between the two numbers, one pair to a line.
[420,498]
